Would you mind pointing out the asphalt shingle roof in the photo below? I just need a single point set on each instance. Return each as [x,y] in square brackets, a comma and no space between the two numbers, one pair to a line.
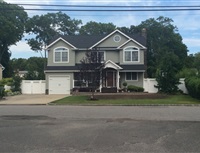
[86,41]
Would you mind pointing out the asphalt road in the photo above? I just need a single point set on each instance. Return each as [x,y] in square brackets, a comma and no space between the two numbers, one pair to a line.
[59,129]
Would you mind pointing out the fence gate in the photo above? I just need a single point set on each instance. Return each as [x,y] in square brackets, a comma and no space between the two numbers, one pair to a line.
[33,86]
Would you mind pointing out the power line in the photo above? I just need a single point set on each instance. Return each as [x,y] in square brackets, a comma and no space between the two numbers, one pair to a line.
[103,10]
[112,6]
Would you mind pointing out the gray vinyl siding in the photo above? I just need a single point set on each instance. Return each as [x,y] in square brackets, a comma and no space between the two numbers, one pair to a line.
[109,42]
[113,56]
[138,83]
[51,55]
[109,55]
[79,56]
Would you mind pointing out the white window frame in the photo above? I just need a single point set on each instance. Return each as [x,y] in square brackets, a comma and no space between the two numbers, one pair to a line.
[129,50]
[54,52]
[131,76]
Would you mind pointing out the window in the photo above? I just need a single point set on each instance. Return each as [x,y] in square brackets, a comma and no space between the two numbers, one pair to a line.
[132,76]
[117,38]
[98,56]
[131,54]
[61,55]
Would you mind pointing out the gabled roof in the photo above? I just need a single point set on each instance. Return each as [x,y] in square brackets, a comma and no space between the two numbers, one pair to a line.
[111,64]
[60,38]
[132,41]
[90,41]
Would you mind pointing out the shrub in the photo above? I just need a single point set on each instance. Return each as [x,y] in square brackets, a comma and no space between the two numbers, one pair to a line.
[133,88]
[2,92]
[17,83]
[193,86]
[6,81]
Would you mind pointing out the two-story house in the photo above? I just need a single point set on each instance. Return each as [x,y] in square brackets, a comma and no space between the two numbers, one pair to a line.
[124,56]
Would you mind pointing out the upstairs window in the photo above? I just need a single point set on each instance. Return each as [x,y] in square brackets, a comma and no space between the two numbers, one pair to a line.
[61,55]
[98,56]
[131,54]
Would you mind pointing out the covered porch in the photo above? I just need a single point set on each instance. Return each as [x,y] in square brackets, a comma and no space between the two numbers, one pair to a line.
[110,80]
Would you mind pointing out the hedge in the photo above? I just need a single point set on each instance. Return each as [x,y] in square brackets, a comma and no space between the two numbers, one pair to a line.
[193,86]
[2,92]
[133,88]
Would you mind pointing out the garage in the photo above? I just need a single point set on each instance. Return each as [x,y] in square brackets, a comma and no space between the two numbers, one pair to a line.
[59,84]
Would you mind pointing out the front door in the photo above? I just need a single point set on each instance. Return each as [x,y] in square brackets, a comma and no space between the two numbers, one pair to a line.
[111,79]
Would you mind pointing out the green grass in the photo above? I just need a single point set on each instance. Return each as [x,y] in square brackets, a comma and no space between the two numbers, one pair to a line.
[83,100]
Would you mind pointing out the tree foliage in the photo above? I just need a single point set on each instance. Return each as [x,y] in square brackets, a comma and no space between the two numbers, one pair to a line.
[34,65]
[162,37]
[167,74]
[94,28]
[91,69]
[12,23]
[45,27]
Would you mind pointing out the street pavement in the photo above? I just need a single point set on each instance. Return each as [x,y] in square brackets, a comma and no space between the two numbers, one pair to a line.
[60,129]
[30,99]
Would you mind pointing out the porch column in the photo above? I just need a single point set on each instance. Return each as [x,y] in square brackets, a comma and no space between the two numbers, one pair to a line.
[118,79]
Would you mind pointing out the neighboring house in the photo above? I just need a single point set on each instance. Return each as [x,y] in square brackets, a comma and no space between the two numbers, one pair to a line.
[124,56]
[22,73]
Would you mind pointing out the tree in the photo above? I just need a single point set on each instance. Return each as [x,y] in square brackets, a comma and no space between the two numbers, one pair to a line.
[167,74]
[94,28]
[12,23]
[47,26]
[91,70]
[19,64]
[35,67]
[162,37]
[197,62]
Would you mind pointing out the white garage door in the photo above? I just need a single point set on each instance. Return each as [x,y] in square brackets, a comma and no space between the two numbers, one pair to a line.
[59,85]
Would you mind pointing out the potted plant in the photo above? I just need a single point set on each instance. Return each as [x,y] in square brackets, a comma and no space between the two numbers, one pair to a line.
[125,86]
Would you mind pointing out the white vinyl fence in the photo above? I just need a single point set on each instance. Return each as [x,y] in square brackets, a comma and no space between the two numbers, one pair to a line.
[149,85]
[33,86]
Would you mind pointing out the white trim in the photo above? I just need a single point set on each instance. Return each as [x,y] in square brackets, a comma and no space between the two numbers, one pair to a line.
[131,55]
[2,67]
[114,64]
[109,36]
[139,71]
[60,38]
[54,50]
[134,42]
[131,76]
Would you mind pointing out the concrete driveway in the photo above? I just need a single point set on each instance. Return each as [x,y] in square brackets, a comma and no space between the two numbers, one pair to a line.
[31,99]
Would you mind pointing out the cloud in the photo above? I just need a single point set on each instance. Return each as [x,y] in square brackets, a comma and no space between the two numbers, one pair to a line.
[193,42]
[22,50]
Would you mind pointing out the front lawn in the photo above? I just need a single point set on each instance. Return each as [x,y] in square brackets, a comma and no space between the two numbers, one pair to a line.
[83,100]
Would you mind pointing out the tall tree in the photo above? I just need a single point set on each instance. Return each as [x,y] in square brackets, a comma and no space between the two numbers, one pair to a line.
[12,23]
[35,67]
[47,26]
[95,28]
[162,37]
[91,70]
[167,73]
[19,64]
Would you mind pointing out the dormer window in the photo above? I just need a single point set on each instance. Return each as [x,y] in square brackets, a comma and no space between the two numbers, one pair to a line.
[61,55]
[131,54]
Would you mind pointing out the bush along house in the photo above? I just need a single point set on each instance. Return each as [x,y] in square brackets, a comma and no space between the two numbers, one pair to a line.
[124,57]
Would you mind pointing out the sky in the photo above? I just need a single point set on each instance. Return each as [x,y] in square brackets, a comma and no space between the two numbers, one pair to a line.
[187,22]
